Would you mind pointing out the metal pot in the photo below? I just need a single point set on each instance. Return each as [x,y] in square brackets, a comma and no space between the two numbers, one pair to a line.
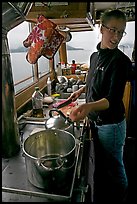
[59,121]
[50,158]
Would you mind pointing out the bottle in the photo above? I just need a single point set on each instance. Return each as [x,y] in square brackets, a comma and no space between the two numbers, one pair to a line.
[62,65]
[37,103]
[73,67]
[59,70]
[49,86]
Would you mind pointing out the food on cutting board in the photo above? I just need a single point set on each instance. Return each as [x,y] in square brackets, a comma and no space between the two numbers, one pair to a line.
[66,109]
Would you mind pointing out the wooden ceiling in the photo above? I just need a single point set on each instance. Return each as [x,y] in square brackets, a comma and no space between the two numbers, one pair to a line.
[74,14]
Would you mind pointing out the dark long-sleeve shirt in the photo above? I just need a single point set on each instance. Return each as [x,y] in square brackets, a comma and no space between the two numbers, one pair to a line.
[108,73]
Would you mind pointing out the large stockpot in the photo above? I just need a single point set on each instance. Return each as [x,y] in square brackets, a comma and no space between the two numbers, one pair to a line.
[50,158]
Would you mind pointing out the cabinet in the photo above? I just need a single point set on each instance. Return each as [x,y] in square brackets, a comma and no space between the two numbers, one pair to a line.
[127,99]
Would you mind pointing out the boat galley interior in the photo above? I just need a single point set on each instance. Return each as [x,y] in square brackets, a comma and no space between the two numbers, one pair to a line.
[45,156]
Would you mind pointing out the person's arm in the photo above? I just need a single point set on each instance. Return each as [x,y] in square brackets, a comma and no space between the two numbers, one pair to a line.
[99,105]
[83,110]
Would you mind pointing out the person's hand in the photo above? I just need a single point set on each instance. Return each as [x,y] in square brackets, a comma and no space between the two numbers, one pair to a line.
[80,113]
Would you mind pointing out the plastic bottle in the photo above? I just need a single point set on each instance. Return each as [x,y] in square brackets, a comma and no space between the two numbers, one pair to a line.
[37,103]
[62,65]
[49,86]
[59,70]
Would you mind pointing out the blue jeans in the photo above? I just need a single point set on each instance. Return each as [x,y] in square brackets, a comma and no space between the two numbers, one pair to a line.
[110,143]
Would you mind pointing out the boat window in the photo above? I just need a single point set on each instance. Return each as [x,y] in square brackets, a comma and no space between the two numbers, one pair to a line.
[56,60]
[43,66]
[82,45]
[127,42]
[23,71]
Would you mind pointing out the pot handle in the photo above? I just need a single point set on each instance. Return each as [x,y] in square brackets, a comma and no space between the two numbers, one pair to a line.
[60,113]
[57,160]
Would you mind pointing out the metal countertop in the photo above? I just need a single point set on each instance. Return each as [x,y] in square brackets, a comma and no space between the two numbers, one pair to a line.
[15,185]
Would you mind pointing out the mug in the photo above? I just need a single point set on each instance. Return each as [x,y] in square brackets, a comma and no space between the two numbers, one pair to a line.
[74,88]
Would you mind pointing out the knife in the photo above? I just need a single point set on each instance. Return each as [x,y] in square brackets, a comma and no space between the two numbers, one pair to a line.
[64,103]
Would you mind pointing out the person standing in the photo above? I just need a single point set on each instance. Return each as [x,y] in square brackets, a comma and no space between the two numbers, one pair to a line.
[109,71]
[73,67]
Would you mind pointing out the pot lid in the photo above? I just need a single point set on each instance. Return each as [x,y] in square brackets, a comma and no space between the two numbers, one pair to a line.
[57,122]
[68,37]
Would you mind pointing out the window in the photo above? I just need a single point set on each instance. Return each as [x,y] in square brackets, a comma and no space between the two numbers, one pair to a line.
[43,66]
[56,60]
[82,45]
[127,42]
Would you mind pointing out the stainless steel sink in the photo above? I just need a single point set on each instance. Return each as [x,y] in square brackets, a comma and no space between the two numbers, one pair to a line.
[66,95]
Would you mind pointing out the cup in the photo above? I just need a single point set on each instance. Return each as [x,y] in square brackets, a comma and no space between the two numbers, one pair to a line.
[74,88]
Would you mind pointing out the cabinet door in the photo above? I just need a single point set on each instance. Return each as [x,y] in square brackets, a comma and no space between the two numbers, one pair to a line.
[127,99]
[88,165]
